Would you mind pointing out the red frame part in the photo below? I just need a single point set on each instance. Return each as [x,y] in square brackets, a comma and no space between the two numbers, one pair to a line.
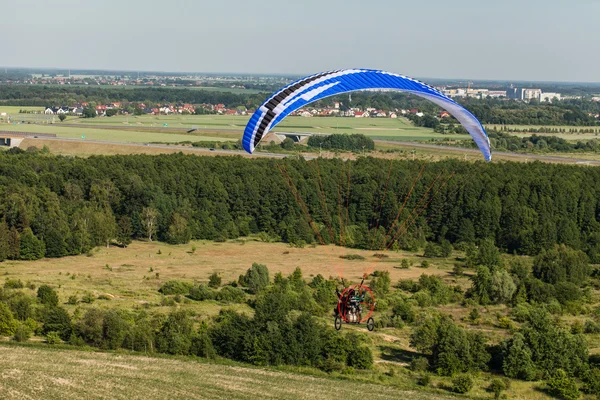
[362,289]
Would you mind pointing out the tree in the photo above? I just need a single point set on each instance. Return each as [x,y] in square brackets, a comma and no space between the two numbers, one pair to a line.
[47,296]
[31,248]
[256,278]
[179,232]
[111,112]
[502,287]
[124,231]
[62,117]
[482,285]
[56,319]
[516,359]
[8,324]
[89,112]
[561,264]
[4,241]
[287,144]
[149,217]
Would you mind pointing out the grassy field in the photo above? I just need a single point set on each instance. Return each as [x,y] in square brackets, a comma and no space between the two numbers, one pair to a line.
[30,372]
[130,278]
[113,135]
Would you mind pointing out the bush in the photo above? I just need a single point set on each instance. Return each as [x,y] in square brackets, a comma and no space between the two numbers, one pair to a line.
[405,264]
[458,270]
[214,281]
[497,386]
[72,300]
[360,358]
[13,284]
[424,380]
[352,257]
[22,333]
[462,384]
[425,264]
[47,296]
[591,327]
[175,287]
[562,386]
[419,364]
[230,294]
[53,338]
[88,298]
[202,292]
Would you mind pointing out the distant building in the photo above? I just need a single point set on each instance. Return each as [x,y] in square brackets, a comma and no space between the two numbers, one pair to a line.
[549,97]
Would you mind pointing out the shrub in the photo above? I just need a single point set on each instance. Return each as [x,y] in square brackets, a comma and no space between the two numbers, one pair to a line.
[419,364]
[352,257]
[497,386]
[53,338]
[88,298]
[462,384]
[424,380]
[214,281]
[175,287]
[230,294]
[13,284]
[22,333]
[72,300]
[591,327]
[405,264]
[562,386]
[202,293]
[360,358]
[425,264]
[47,296]
[458,270]
[592,382]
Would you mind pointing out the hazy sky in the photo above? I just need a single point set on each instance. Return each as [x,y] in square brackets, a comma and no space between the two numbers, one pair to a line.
[476,39]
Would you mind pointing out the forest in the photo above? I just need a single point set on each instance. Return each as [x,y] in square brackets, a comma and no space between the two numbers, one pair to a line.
[56,206]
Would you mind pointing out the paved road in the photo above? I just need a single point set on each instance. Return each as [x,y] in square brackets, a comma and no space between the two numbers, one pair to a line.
[461,150]
[495,154]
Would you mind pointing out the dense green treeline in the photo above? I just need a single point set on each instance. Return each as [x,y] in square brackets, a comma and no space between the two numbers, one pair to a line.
[55,206]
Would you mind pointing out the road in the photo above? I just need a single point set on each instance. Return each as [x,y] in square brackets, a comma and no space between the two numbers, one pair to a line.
[495,154]
[459,150]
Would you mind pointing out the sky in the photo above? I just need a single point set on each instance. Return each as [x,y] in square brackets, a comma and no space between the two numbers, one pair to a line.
[535,40]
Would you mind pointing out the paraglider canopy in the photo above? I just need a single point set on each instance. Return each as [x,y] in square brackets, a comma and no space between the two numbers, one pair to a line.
[319,86]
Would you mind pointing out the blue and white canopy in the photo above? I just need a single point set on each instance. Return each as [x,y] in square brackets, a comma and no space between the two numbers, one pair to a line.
[319,86]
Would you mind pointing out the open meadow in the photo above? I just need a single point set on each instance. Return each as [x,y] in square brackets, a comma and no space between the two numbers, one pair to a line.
[129,278]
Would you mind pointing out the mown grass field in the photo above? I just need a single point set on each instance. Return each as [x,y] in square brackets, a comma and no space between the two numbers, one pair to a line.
[113,135]
[33,372]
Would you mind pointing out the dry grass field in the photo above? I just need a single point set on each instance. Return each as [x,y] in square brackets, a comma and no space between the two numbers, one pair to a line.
[35,373]
[131,277]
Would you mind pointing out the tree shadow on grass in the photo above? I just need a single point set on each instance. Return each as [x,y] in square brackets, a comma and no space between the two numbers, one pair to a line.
[389,353]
